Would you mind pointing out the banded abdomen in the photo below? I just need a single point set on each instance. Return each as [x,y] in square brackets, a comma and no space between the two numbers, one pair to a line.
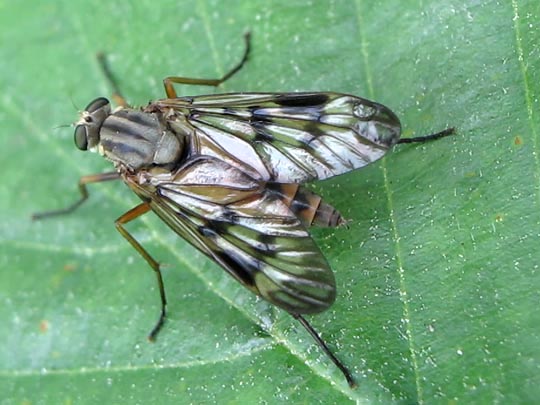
[307,206]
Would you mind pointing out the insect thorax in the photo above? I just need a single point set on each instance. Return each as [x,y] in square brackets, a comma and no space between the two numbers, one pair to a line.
[137,139]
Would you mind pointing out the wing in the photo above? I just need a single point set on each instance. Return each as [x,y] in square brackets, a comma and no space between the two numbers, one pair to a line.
[247,229]
[289,138]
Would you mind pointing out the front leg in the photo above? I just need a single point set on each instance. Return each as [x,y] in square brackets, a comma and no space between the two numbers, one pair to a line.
[83,181]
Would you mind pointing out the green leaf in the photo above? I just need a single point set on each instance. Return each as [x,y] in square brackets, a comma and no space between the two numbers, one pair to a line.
[438,272]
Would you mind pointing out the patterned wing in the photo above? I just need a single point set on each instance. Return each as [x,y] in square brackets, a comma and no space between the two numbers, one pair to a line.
[247,229]
[289,138]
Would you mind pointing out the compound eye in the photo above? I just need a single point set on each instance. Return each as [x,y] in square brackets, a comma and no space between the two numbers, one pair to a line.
[97,104]
[81,137]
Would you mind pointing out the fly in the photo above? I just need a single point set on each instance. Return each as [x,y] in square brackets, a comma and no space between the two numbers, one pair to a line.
[226,173]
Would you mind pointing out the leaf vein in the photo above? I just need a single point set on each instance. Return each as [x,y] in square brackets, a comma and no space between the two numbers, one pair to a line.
[528,95]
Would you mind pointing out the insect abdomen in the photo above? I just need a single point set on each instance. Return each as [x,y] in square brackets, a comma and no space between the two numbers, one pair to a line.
[307,206]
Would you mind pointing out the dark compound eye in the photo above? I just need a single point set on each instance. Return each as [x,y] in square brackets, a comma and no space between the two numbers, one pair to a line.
[96,104]
[81,138]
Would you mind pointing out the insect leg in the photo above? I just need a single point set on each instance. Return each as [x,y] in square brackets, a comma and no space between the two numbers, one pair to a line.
[117,94]
[133,213]
[168,81]
[322,344]
[83,181]
[442,134]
